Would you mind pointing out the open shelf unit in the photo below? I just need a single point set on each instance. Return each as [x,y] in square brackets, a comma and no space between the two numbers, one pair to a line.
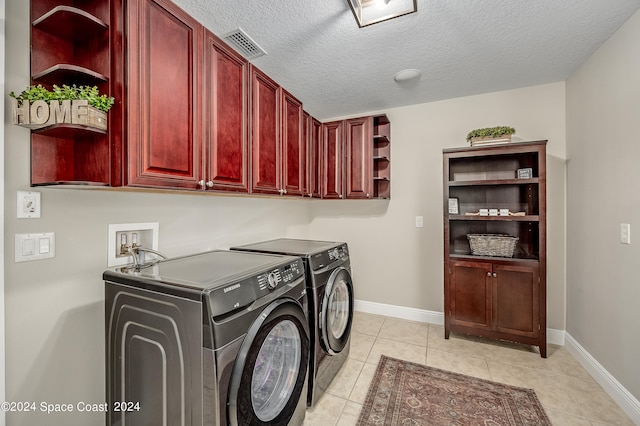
[70,45]
[381,157]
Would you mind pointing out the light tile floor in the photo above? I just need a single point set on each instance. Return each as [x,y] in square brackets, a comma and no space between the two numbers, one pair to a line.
[570,396]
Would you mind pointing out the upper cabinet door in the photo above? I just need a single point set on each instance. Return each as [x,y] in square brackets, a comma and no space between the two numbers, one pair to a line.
[226,117]
[312,130]
[293,145]
[164,95]
[265,141]
[332,161]
[358,148]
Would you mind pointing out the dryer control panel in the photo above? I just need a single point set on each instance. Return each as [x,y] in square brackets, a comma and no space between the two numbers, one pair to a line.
[325,258]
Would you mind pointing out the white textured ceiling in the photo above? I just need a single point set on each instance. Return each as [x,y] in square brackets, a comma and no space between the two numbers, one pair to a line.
[462,47]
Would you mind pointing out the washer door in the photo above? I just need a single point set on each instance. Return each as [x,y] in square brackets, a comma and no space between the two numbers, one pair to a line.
[337,311]
[269,375]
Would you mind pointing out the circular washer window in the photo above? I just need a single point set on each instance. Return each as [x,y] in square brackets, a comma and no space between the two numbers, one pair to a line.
[276,370]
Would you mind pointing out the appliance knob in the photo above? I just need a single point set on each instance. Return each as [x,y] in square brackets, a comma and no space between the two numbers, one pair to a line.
[272,282]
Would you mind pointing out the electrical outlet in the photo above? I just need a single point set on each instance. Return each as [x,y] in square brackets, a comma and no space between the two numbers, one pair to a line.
[125,236]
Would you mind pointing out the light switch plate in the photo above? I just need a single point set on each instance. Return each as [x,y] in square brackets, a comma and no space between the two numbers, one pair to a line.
[35,246]
[28,205]
[625,233]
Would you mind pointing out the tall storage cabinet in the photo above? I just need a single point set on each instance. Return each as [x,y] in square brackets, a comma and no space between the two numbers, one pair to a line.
[496,193]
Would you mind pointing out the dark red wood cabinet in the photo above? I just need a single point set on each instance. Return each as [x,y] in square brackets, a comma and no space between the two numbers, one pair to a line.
[358,163]
[164,95]
[294,146]
[190,112]
[70,45]
[312,135]
[278,147]
[265,141]
[356,159]
[488,293]
[226,124]
[332,171]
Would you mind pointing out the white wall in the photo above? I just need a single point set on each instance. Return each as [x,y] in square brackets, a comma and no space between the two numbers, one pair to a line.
[603,151]
[55,308]
[2,92]
[396,263]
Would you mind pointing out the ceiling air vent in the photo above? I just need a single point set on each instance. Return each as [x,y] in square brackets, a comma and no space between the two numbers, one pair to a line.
[240,41]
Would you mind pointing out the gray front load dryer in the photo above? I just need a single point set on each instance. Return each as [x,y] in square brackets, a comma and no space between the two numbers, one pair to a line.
[215,338]
[331,297]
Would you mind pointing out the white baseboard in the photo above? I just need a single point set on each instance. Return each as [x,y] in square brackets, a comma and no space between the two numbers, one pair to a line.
[554,337]
[629,404]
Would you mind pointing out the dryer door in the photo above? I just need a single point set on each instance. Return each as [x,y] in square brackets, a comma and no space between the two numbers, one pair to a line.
[337,311]
[269,375]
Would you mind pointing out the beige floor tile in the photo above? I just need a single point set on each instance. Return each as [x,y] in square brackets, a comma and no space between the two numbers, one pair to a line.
[350,414]
[367,323]
[343,383]
[458,363]
[404,331]
[569,395]
[361,345]
[359,392]
[399,350]
[561,418]
[326,412]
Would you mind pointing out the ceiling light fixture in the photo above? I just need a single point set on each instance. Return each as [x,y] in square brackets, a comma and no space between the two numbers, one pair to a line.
[369,12]
[406,75]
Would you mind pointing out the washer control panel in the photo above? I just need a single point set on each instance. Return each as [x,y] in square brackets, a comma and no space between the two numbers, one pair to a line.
[241,293]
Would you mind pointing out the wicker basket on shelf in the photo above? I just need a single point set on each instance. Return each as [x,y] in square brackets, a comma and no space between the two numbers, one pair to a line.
[492,244]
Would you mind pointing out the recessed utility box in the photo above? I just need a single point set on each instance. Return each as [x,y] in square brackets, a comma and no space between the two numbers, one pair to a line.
[123,237]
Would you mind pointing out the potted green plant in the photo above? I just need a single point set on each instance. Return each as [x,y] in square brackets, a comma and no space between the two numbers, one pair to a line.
[37,107]
[498,134]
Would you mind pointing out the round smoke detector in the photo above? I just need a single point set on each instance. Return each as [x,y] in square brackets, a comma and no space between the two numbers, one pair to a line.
[406,75]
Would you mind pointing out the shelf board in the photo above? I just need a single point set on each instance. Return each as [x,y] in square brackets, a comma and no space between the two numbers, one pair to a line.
[380,158]
[68,131]
[70,23]
[381,178]
[69,74]
[527,218]
[381,139]
[490,182]
[471,257]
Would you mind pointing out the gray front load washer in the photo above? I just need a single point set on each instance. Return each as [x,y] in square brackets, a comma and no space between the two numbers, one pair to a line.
[331,297]
[216,338]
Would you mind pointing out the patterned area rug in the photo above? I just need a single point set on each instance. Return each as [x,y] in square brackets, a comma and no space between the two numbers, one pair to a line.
[407,394]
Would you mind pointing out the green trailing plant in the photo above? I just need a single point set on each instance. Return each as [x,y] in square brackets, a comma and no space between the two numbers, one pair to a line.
[73,92]
[492,132]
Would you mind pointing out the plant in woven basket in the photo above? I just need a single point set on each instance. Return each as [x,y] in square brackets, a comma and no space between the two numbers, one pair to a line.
[73,92]
[491,132]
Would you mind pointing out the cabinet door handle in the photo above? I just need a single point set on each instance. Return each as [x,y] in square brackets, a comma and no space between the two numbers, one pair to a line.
[495,275]
[488,274]
[209,184]
[201,182]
